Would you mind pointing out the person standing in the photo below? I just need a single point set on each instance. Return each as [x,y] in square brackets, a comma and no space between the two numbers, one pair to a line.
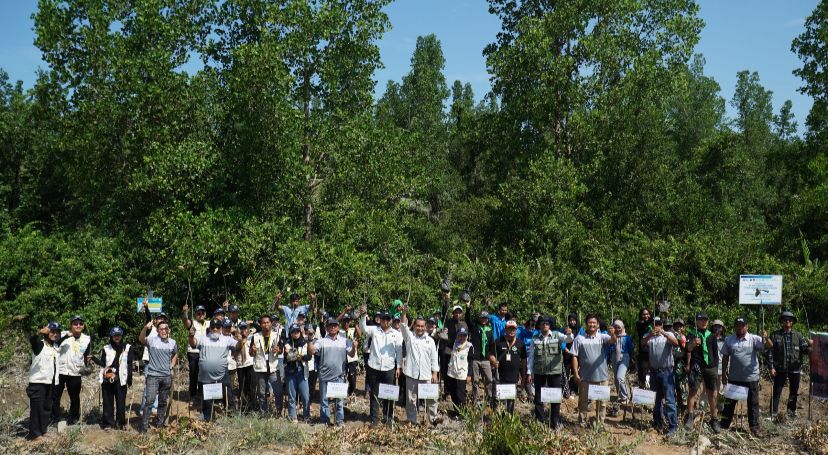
[660,343]
[42,379]
[570,388]
[457,374]
[480,335]
[115,377]
[544,364]
[421,367]
[448,335]
[785,360]
[244,369]
[333,350]
[292,310]
[642,327]
[353,334]
[74,352]
[213,356]
[199,324]
[508,357]
[589,364]
[163,356]
[267,363]
[620,353]
[677,329]
[701,366]
[228,330]
[296,372]
[719,332]
[740,366]
[385,361]
[498,321]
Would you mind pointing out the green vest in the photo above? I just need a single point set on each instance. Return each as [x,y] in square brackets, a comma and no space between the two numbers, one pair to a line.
[548,355]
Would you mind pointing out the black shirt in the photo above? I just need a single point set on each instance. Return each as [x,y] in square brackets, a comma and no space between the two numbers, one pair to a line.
[510,356]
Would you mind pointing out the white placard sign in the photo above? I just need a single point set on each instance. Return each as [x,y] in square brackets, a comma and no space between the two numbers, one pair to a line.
[506,392]
[643,397]
[388,392]
[337,390]
[551,394]
[760,289]
[428,391]
[735,392]
[213,391]
[599,392]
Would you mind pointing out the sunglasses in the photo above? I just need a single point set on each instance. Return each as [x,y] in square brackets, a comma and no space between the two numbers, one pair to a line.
[77,323]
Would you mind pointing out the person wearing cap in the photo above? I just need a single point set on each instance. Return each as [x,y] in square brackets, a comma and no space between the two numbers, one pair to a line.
[677,329]
[333,350]
[227,327]
[213,358]
[545,365]
[385,360]
[268,363]
[219,314]
[244,369]
[115,376]
[447,337]
[701,366]
[353,334]
[508,357]
[570,388]
[295,348]
[498,320]
[480,336]
[457,375]
[589,364]
[292,310]
[421,366]
[199,324]
[719,333]
[42,378]
[159,318]
[660,343]
[162,352]
[642,327]
[74,353]
[785,360]
[234,315]
[620,354]
[740,366]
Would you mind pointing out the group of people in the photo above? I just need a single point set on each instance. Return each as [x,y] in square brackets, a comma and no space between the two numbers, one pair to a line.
[243,365]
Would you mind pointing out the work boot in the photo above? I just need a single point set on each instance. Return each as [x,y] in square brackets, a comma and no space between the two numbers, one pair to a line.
[715,426]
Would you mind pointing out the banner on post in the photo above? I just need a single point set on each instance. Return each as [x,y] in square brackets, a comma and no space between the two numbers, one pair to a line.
[760,289]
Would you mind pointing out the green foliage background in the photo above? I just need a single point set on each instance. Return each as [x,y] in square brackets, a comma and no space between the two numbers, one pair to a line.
[600,174]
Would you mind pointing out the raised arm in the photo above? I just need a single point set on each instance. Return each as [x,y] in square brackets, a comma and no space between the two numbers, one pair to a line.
[142,337]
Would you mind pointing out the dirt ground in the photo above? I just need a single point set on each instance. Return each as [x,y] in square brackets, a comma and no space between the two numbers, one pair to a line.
[626,429]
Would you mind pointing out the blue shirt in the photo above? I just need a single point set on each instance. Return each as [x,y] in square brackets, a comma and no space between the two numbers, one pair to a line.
[526,335]
[498,325]
[292,313]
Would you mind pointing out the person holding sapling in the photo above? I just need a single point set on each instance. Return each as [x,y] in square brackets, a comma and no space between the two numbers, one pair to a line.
[333,349]
[701,366]
[162,352]
[74,353]
[785,360]
[115,377]
[589,364]
[545,356]
[508,357]
[660,343]
[42,379]
[385,360]
[740,367]
[421,366]
[267,363]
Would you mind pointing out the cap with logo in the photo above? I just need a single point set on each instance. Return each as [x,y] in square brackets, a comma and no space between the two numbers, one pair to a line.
[200,309]
[234,309]
[116,331]
[332,321]
[701,315]
[76,318]
[215,324]
[511,323]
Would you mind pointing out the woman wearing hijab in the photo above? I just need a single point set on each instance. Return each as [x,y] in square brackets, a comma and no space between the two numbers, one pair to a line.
[115,378]
[620,354]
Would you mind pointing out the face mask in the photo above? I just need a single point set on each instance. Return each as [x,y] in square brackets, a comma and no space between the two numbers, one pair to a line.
[214,336]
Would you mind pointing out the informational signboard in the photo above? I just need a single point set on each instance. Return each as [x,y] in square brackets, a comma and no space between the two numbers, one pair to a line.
[760,289]
[337,390]
[506,392]
[155,304]
[213,391]
[736,392]
[551,394]
[598,392]
[428,391]
[388,392]
[819,366]
[643,397]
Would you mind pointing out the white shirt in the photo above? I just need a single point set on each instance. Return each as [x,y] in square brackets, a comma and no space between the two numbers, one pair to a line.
[421,355]
[385,347]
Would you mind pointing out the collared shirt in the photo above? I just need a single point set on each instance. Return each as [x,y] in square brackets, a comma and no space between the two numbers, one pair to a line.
[592,356]
[661,352]
[292,313]
[333,355]
[498,326]
[744,357]
[161,353]
[212,357]
[385,347]
[421,359]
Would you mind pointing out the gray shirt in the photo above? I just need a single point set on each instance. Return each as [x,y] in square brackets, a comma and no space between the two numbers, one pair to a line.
[161,353]
[661,353]
[212,357]
[333,354]
[592,356]
[744,357]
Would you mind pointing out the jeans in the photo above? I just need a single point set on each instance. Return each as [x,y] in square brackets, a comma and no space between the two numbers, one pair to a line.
[620,369]
[73,386]
[411,401]
[114,399]
[156,387]
[297,384]
[547,380]
[275,382]
[482,369]
[779,384]
[144,401]
[324,408]
[195,386]
[381,377]
[752,405]
[664,384]
[40,405]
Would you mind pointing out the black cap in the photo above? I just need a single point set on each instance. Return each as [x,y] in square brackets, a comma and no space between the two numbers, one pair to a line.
[385,315]
[53,326]
[218,310]
[294,297]
[234,308]
[462,331]
[346,317]
[701,315]
[787,315]
[227,323]
[431,321]
[242,324]
[215,324]
[114,331]
[740,320]
[162,315]
[483,314]
[200,308]
[76,318]
[295,328]
[331,321]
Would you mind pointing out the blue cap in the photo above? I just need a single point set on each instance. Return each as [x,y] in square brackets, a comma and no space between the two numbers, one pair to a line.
[234,309]
[301,313]
[200,308]
[53,326]
[227,323]
[218,310]
[462,331]
[331,321]
[215,324]
[116,331]
[242,324]
[295,328]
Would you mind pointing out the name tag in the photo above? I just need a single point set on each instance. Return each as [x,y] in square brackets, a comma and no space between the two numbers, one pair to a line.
[509,357]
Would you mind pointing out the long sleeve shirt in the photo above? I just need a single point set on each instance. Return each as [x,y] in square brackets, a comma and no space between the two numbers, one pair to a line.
[385,347]
[421,359]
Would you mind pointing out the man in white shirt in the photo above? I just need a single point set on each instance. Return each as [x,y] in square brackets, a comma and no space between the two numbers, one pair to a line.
[385,357]
[421,366]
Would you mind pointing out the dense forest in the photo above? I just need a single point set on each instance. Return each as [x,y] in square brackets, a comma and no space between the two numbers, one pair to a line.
[600,173]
